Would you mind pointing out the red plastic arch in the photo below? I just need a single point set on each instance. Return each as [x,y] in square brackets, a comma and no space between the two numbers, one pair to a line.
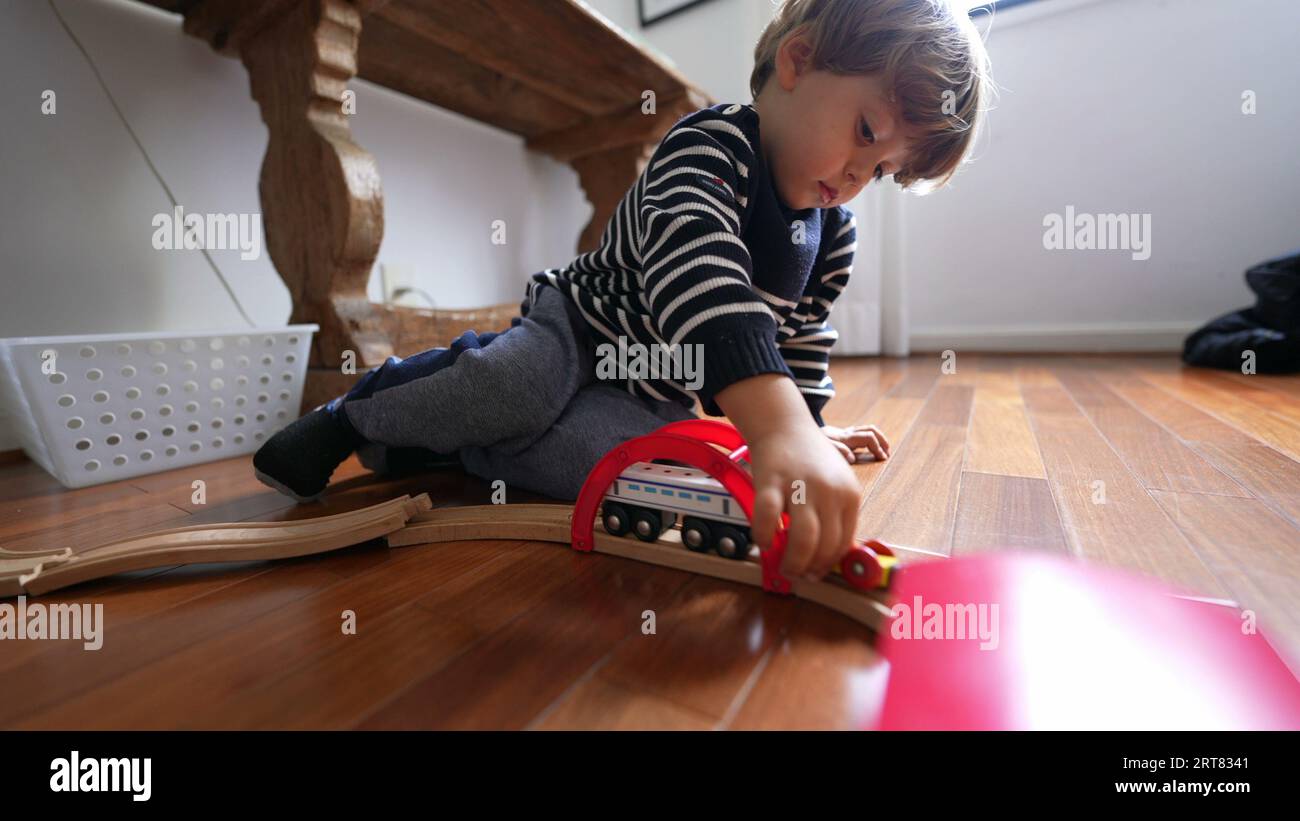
[690,441]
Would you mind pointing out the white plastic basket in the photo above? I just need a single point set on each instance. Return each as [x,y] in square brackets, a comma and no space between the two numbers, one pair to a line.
[111,406]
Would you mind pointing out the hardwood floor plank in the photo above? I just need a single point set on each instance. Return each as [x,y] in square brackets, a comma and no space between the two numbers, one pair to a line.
[147,514]
[336,689]
[65,670]
[997,512]
[125,603]
[1034,372]
[244,687]
[27,480]
[223,482]
[510,677]
[1254,551]
[1268,427]
[1250,388]
[489,601]
[914,503]
[1156,457]
[860,388]
[894,414]
[1269,475]
[1272,477]
[38,514]
[1106,514]
[597,704]
[822,675]
[1284,385]
[1177,414]
[1000,441]
[705,647]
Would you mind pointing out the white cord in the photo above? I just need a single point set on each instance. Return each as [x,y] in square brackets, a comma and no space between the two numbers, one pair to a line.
[148,161]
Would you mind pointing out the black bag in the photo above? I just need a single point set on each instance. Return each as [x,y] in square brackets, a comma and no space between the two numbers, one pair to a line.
[1271,329]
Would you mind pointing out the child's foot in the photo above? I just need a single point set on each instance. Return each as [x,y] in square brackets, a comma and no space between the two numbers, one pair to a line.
[299,460]
[410,461]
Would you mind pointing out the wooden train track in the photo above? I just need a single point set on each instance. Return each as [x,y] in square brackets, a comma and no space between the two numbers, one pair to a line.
[405,521]
[553,523]
[36,573]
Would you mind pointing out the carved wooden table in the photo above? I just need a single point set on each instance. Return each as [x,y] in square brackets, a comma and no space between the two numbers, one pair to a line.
[551,71]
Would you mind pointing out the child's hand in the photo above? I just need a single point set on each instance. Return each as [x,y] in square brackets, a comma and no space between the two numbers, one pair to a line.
[850,440]
[823,513]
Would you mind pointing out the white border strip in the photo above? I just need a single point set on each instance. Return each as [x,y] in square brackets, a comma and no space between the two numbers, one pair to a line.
[1156,336]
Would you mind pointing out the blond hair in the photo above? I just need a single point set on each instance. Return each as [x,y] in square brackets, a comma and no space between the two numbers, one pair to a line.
[928,54]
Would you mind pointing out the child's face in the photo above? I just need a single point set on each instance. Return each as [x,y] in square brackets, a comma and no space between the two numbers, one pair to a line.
[816,129]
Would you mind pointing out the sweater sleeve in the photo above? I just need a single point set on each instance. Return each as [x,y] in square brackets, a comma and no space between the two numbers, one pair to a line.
[807,352]
[696,270]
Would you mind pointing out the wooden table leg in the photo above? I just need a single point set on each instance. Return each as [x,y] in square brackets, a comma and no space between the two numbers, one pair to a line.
[606,177]
[322,203]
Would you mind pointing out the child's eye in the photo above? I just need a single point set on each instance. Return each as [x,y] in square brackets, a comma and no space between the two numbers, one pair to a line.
[866,132]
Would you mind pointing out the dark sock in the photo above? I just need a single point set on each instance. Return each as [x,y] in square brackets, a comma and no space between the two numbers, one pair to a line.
[334,408]
[299,460]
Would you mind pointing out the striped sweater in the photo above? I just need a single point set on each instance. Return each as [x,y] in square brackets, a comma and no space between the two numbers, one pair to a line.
[701,251]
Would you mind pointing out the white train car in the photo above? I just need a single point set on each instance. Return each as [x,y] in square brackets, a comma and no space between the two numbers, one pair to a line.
[648,497]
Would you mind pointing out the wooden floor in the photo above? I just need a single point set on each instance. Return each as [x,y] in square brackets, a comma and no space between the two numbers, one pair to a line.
[1192,476]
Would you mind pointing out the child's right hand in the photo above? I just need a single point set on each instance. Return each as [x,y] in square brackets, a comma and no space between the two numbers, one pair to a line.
[823,511]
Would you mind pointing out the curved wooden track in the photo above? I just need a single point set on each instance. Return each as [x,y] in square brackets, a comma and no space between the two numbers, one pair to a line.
[553,523]
[405,521]
[36,573]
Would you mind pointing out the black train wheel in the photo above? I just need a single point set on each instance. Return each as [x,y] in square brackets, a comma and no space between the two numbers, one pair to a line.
[615,519]
[696,534]
[647,524]
[730,542]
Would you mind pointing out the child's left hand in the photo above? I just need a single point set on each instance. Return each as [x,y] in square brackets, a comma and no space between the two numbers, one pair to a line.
[850,440]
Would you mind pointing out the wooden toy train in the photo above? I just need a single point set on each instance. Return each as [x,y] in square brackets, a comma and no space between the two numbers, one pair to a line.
[645,485]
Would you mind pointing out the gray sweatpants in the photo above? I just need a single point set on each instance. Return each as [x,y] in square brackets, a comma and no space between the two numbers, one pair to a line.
[525,408]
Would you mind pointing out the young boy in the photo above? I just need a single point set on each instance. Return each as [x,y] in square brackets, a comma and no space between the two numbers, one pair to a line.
[734,242]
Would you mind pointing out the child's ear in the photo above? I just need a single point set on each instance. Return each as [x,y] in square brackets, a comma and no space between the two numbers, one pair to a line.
[793,59]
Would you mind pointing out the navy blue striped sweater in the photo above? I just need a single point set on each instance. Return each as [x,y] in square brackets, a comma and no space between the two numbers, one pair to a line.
[702,251]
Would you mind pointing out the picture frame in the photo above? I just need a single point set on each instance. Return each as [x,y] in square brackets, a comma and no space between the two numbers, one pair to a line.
[653,11]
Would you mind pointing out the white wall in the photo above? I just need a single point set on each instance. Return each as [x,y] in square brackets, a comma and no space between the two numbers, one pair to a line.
[1115,106]
[75,221]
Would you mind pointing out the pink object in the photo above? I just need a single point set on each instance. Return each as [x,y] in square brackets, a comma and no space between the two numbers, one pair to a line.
[1052,643]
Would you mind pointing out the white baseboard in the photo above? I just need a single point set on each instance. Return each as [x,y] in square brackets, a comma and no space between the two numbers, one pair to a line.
[858,324]
[1108,338]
